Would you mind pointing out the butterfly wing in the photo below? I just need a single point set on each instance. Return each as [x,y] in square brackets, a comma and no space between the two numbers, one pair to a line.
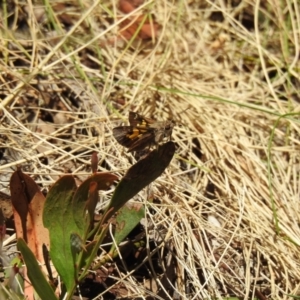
[137,120]
[144,140]
[132,138]
[122,135]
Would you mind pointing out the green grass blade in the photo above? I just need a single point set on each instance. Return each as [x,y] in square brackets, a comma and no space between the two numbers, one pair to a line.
[35,274]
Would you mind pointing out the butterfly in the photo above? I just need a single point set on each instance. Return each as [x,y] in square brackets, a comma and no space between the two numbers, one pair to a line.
[142,132]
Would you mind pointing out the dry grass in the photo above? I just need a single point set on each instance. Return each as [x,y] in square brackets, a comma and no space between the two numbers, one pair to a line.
[227,208]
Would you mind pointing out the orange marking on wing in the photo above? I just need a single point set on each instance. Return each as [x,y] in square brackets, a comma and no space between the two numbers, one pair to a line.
[135,134]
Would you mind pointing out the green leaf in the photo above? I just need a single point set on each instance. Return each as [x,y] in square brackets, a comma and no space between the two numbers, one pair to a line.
[36,276]
[140,175]
[58,218]
[79,205]
[126,220]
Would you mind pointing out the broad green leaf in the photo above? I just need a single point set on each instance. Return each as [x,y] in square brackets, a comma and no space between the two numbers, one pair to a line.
[127,218]
[140,175]
[58,218]
[79,205]
[36,276]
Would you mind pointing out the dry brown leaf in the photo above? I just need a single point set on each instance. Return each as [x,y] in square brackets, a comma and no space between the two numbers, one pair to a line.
[128,28]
